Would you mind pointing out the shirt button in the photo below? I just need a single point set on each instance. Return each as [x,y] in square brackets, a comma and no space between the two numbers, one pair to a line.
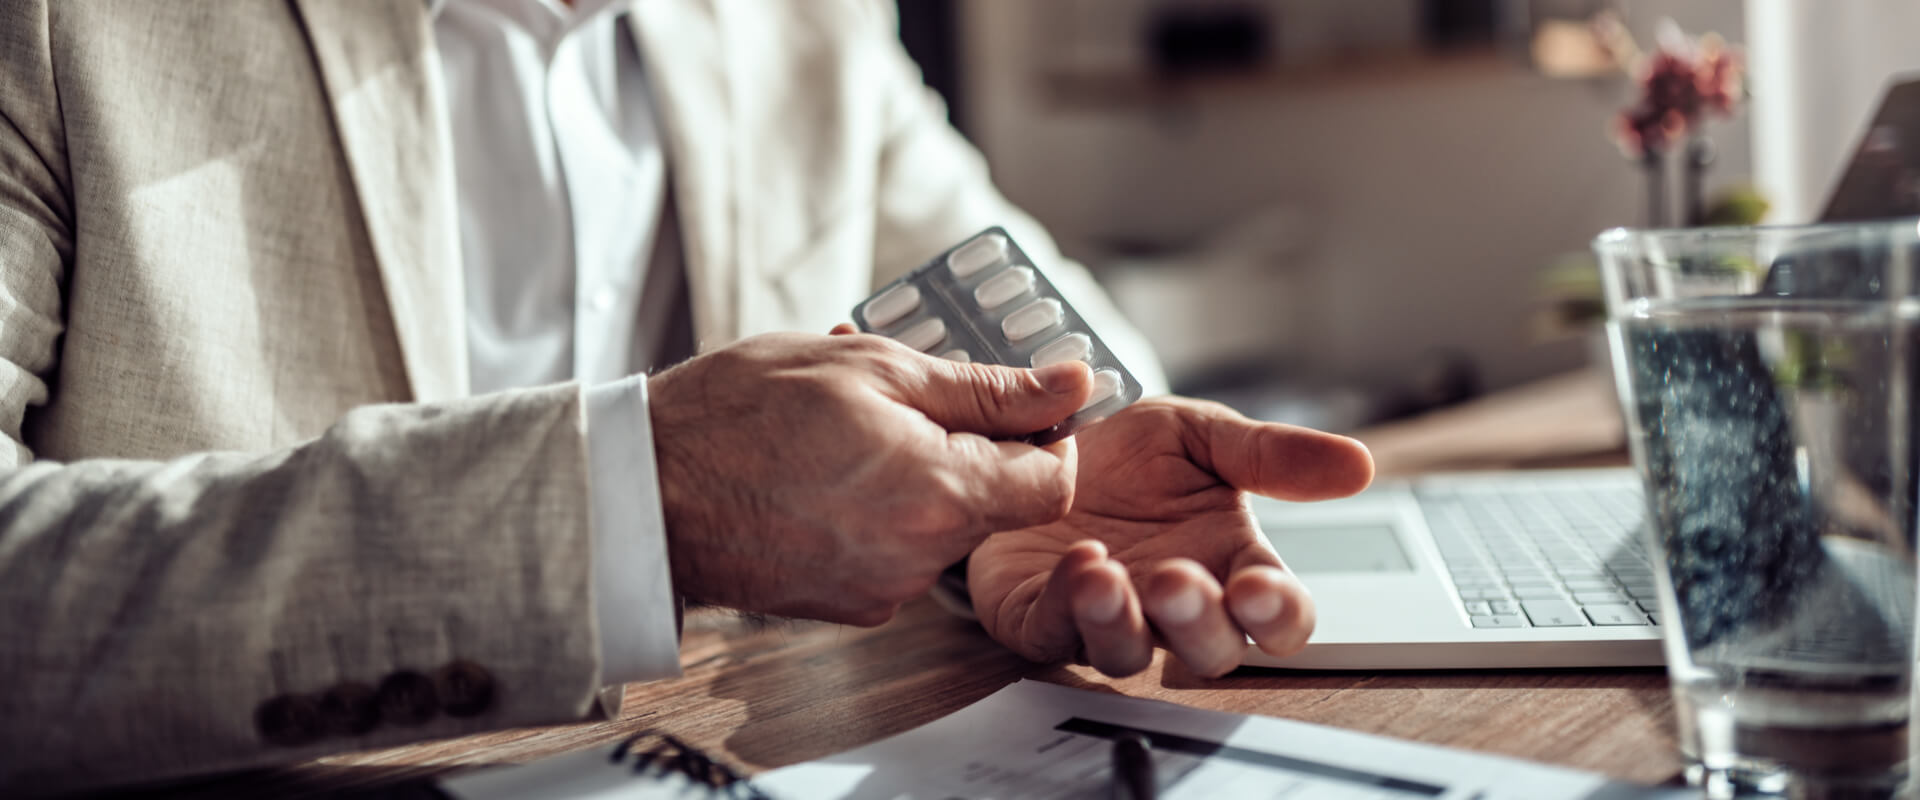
[603,299]
[350,709]
[465,689]
[407,698]
[289,720]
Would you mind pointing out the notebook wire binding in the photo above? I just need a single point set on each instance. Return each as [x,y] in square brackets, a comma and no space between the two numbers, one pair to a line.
[668,754]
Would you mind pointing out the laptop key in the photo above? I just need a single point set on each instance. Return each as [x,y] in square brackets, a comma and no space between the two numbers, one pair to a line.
[1536,593]
[1615,615]
[1499,621]
[1553,614]
[1598,598]
[1477,608]
[1504,607]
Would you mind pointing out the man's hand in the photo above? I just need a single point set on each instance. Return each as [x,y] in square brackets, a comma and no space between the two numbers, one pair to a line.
[834,477]
[1160,546]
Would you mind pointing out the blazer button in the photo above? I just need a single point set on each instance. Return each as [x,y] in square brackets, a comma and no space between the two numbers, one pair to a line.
[465,688]
[289,720]
[407,698]
[350,709]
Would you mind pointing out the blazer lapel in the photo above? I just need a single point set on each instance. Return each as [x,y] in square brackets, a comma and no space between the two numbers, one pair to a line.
[681,44]
[375,61]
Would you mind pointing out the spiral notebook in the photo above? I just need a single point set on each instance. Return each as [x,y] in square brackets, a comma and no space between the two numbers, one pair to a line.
[643,766]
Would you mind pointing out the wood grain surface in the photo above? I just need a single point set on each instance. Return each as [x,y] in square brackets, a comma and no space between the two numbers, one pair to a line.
[762,695]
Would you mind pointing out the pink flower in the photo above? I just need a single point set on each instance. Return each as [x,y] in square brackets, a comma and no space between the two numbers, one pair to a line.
[1644,128]
[1719,73]
[1680,82]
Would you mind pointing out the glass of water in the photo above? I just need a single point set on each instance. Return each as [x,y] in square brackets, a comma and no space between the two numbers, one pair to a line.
[1768,376]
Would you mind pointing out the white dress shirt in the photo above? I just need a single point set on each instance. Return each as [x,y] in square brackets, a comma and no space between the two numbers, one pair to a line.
[561,187]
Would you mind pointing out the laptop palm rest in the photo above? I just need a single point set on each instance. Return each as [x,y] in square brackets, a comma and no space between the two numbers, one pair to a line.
[1385,598]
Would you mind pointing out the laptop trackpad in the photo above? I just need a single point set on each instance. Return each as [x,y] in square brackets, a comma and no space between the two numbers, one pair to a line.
[1366,563]
[1340,547]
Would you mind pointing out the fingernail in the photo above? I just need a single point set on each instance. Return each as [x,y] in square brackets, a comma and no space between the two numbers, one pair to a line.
[1258,607]
[1105,606]
[1061,378]
[1183,606]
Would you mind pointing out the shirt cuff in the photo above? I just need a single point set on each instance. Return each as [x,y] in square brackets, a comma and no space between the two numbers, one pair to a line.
[633,602]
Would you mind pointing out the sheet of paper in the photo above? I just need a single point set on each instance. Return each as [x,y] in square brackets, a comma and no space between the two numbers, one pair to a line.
[1040,740]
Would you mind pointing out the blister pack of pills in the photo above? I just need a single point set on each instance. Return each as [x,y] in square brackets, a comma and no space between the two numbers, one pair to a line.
[984,300]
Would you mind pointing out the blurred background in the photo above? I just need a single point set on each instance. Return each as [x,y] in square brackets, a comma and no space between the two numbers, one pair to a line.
[1335,212]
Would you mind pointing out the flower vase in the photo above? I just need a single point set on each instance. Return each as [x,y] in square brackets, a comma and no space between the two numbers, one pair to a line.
[1654,164]
[1699,158]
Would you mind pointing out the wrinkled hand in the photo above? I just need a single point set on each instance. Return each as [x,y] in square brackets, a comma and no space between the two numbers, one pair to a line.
[835,477]
[1160,545]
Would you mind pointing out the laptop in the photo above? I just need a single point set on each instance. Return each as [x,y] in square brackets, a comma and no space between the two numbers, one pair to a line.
[1537,568]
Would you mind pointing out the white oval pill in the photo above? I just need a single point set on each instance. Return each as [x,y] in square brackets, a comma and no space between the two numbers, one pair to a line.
[977,255]
[957,355]
[1106,384]
[1071,347]
[997,290]
[888,308]
[924,335]
[1032,318]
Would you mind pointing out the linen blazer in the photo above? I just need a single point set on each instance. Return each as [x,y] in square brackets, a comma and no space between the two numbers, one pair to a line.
[246,506]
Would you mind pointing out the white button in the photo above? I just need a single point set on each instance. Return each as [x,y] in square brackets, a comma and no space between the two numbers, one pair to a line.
[977,255]
[1032,318]
[1071,347]
[957,355]
[889,307]
[999,289]
[924,335]
[1106,384]
[603,299]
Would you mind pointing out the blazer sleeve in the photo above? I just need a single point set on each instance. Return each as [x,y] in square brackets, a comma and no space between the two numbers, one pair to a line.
[934,190]
[417,571]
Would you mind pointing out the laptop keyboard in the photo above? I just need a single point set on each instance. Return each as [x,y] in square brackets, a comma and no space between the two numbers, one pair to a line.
[1552,555]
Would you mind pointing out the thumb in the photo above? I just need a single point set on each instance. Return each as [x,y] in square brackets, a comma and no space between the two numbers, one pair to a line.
[996,401]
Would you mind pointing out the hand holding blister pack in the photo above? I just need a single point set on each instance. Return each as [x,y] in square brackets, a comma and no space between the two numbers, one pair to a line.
[984,300]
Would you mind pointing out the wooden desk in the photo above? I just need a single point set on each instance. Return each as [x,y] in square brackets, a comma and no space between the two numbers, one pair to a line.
[764,697]
[1570,420]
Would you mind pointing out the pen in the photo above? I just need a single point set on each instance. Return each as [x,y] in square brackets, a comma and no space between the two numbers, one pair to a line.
[1132,767]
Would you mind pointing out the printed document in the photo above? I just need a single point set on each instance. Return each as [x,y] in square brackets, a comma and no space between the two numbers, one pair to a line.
[1041,740]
